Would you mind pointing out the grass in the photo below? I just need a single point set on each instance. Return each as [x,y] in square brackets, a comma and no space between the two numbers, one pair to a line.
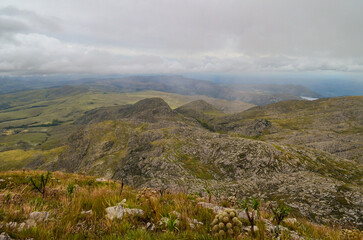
[67,221]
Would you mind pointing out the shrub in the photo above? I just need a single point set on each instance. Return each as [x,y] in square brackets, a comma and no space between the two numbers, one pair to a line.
[70,189]
[40,183]
[252,209]
[226,223]
[279,213]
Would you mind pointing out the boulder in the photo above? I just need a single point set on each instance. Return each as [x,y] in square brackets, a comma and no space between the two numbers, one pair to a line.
[119,211]
[39,216]
[5,236]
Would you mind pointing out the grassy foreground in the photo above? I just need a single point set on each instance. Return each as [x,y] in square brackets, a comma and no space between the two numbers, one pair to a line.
[69,196]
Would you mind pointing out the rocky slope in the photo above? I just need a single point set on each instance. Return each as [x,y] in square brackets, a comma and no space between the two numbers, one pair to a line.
[171,151]
[333,125]
[149,144]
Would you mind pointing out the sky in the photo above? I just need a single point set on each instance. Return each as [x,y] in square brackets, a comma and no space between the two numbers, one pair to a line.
[181,36]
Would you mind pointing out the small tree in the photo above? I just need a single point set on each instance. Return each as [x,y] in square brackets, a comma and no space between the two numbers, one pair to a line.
[40,183]
[279,213]
[252,209]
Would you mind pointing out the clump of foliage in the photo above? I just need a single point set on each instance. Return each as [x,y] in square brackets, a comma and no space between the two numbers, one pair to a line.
[70,189]
[252,209]
[40,183]
[226,223]
[171,222]
[280,212]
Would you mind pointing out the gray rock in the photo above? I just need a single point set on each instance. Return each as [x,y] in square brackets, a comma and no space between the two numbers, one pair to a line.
[5,236]
[150,226]
[39,216]
[101,179]
[216,209]
[89,212]
[248,229]
[119,211]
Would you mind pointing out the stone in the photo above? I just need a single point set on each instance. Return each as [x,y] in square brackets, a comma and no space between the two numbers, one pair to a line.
[2,180]
[248,229]
[119,211]
[193,223]
[89,212]
[150,226]
[5,236]
[216,209]
[290,220]
[30,223]
[39,216]
[101,180]
[11,225]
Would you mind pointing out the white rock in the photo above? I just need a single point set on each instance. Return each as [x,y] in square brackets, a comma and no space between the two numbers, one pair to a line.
[216,209]
[87,212]
[4,236]
[290,220]
[150,226]
[29,223]
[39,216]
[101,180]
[21,226]
[2,180]
[248,229]
[11,225]
[119,211]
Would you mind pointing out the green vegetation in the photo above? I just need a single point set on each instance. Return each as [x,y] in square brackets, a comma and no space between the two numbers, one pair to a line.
[40,183]
[252,209]
[84,215]
[279,213]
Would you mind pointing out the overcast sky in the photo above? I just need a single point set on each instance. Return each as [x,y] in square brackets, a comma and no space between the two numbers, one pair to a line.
[180,36]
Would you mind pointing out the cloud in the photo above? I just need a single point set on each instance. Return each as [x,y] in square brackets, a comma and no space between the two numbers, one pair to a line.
[164,36]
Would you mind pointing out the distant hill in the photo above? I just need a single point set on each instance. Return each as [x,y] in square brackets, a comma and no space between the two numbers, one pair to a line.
[334,125]
[292,89]
[147,110]
[260,94]
[187,86]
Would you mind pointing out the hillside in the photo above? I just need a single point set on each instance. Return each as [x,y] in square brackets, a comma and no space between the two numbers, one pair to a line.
[332,125]
[42,119]
[175,151]
[78,206]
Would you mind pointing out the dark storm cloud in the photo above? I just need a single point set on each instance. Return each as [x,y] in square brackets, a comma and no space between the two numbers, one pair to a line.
[165,36]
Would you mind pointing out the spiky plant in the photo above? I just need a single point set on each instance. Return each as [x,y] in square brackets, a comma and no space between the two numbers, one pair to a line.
[252,209]
[40,183]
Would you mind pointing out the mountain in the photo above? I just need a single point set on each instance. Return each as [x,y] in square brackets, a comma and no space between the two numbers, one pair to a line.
[333,125]
[257,94]
[149,144]
[187,86]
[292,89]
[147,110]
